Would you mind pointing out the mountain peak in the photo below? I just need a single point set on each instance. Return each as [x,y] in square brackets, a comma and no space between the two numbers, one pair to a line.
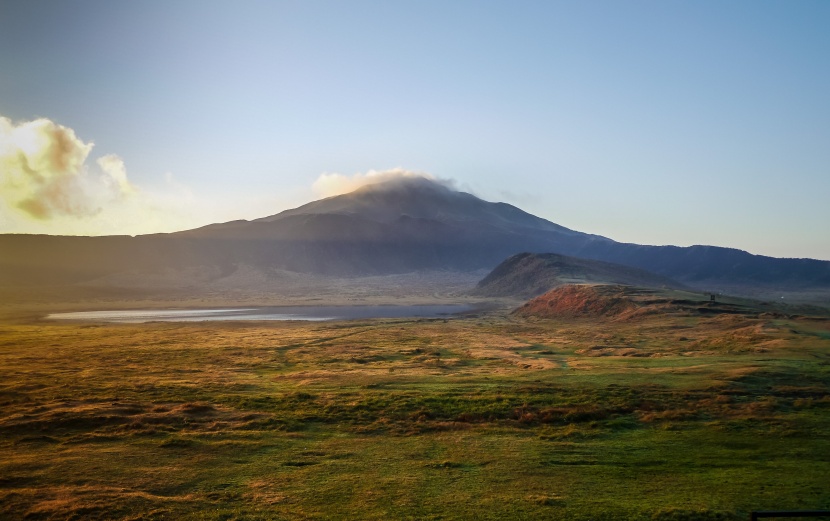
[421,198]
[406,183]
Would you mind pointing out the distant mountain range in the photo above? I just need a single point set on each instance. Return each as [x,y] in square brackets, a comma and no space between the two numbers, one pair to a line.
[399,226]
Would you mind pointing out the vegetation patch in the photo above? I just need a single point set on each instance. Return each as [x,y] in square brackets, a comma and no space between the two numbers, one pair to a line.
[489,417]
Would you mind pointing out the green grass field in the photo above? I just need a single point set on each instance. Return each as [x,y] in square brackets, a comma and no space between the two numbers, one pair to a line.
[491,417]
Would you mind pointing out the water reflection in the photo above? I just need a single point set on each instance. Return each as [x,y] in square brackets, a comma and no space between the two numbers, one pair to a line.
[312,313]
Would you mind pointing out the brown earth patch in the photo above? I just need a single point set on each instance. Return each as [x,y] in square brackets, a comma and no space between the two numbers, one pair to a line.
[576,301]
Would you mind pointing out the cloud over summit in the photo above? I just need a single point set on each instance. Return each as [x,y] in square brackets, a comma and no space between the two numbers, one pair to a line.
[331,184]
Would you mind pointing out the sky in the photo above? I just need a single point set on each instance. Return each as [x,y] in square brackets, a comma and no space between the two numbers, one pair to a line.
[653,122]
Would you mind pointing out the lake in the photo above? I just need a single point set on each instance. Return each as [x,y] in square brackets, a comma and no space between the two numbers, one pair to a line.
[313,313]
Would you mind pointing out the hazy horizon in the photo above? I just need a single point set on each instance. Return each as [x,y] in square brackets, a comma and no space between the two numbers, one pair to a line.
[644,122]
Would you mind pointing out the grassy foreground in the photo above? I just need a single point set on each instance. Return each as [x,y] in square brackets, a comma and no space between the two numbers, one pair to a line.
[664,417]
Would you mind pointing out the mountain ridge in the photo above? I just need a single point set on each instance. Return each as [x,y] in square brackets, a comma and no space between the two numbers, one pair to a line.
[387,228]
[417,198]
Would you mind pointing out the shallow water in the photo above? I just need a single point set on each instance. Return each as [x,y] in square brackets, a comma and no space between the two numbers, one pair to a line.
[312,313]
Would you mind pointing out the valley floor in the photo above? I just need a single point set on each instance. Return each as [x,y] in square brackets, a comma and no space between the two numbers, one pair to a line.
[673,416]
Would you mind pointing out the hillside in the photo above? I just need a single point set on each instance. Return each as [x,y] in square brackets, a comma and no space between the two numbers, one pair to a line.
[530,274]
[621,303]
[395,227]
[578,300]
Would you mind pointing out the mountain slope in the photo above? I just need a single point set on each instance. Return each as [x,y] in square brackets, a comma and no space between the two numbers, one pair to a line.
[421,198]
[580,301]
[414,223]
[528,274]
[399,226]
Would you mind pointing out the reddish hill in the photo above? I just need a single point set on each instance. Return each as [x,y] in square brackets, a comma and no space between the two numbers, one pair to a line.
[580,301]
[619,302]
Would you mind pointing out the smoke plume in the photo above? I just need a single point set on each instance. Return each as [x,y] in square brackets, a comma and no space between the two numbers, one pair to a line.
[44,172]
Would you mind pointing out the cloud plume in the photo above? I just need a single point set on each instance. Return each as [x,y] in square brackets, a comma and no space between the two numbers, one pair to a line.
[331,184]
[44,172]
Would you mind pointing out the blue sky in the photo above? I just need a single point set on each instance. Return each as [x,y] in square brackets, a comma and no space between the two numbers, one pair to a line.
[656,122]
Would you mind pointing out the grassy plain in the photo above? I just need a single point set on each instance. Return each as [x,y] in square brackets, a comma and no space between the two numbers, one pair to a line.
[673,416]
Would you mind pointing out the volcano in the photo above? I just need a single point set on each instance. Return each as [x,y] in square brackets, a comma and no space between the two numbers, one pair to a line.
[403,225]
[399,226]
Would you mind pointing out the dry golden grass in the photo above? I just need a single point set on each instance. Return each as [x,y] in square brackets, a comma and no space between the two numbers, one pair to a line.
[484,417]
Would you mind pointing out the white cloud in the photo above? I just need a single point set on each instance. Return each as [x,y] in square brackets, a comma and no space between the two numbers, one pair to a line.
[115,176]
[49,184]
[331,184]
[44,175]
